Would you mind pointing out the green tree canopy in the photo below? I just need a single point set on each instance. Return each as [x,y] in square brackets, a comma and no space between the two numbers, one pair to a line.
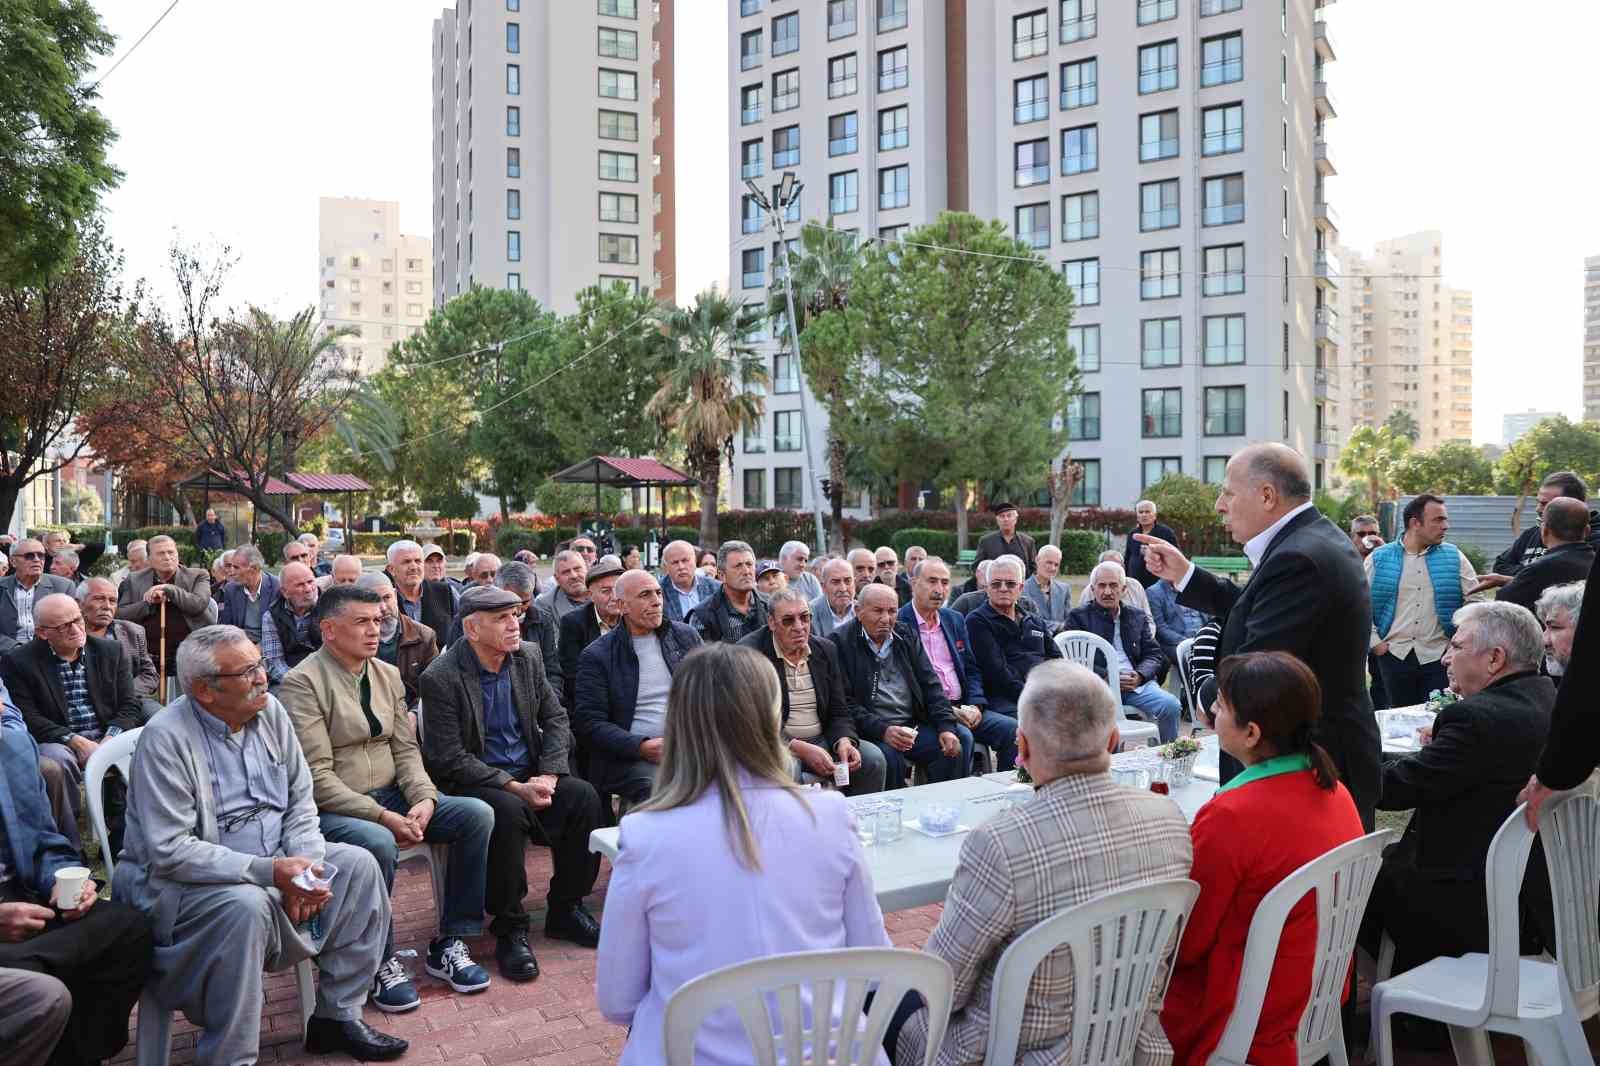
[1184,501]
[1554,444]
[1454,468]
[1404,424]
[1370,454]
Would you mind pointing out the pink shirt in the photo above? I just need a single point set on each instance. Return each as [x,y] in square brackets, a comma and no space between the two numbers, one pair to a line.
[938,650]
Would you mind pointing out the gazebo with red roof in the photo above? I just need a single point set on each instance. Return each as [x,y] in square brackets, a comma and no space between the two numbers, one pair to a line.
[292,485]
[621,472]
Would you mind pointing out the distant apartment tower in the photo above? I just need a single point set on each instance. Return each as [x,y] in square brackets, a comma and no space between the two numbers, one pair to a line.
[1168,156]
[1591,339]
[1408,340]
[1513,426]
[373,280]
[552,147]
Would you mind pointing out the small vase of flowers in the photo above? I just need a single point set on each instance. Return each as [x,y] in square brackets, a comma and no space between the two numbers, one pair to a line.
[1180,755]
[1440,698]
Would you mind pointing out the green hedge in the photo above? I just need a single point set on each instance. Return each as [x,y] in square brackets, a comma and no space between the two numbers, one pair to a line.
[375,543]
[512,539]
[940,542]
[1080,548]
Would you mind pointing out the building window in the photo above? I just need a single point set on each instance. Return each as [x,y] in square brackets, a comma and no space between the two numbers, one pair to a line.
[1158,135]
[1032,225]
[513,122]
[619,84]
[749,49]
[1222,59]
[1224,197]
[750,105]
[513,246]
[620,9]
[894,187]
[619,248]
[755,488]
[1223,129]
[1086,493]
[749,7]
[892,14]
[1083,416]
[513,5]
[1163,413]
[618,44]
[786,431]
[754,265]
[619,166]
[786,34]
[619,207]
[785,374]
[894,69]
[1224,340]
[1083,278]
[755,438]
[786,147]
[842,189]
[894,128]
[1215,470]
[786,487]
[1158,67]
[1160,274]
[891,234]
[842,76]
[1224,270]
[751,218]
[619,126]
[1158,205]
[785,91]
[513,283]
[1030,99]
[1218,7]
[1080,216]
[1080,149]
[1160,343]
[1080,84]
[1225,411]
[841,18]
[1030,35]
[1153,470]
[842,139]
[1078,20]
[752,159]
[513,162]
[1033,162]
[1156,11]
[513,38]
[513,203]
[1085,343]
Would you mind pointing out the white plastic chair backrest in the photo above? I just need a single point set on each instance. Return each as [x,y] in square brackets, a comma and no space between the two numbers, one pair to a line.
[1569,827]
[753,989]
[1080,646]
[1342,880]
[118,752]
[1118,943]
[1185,670]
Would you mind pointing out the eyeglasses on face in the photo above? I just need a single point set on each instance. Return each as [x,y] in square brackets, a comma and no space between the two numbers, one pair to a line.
[790,621]
[28,555]
[1003,584]
[257,667]
[71,623]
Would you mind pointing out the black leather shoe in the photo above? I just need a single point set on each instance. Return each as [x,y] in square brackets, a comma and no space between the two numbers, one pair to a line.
[515,957]
[355,1038]
[574,924]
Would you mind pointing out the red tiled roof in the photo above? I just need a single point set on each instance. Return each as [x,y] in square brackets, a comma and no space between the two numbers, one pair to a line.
[329,482]
[618,470]
[643,469]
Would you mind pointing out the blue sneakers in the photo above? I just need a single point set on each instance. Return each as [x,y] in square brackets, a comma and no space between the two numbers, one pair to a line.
[392,990]
[449,961]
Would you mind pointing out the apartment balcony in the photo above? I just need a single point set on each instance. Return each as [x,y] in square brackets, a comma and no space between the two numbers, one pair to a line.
[1327,218]
[1327,269]
[1324,157]
[1326,103]
[1324,382]
[1327,327]
[1327,443]
[1323,40]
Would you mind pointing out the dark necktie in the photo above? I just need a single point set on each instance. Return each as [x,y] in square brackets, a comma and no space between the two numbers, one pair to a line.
[366,705]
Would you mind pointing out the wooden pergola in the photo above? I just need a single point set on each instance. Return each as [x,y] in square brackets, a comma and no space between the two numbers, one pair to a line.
[292,485]
[620,472]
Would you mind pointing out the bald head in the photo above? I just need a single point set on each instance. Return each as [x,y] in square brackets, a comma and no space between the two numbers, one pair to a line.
[1279,466]
[1566,521]
[864,565]
[346,569]
[1263,484]
[298,585]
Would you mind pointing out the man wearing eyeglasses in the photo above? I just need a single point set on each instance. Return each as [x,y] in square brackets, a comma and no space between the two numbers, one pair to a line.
[19,589]
[74,691]
[1139,657]
[222,822]
[1007,642]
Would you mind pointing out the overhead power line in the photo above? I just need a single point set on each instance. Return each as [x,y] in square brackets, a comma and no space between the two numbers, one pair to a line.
[142,37]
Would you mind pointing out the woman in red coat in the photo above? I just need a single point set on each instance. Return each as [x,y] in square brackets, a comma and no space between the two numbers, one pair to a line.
[1284,810]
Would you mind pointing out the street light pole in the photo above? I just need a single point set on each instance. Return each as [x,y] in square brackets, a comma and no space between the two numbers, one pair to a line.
[787,193]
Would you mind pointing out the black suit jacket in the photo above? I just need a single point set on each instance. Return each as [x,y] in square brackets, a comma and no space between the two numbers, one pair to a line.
[579,629]
[29,671]
[827,682]
[1559,565]
[1132,552]
[929,705]
[1308,596]
[438,605]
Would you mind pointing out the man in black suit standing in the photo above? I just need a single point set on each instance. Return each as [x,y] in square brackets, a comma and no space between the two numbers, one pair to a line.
[1307,596]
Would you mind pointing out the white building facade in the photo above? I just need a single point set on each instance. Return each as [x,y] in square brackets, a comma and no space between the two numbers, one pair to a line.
[373,281]
[1591,338]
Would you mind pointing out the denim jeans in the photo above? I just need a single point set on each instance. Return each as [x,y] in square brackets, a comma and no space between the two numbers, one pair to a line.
[464,824]
[925,752]
[1156,703]
[998,731]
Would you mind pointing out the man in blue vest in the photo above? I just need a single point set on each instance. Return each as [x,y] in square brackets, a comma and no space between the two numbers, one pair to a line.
[1418,583]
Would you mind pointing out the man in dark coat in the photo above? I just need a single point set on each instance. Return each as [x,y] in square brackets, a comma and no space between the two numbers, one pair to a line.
[1139,658]
[589,623]
[1005,540]
[1308,596]
[429,602]
[1145,512]
[736,609]
[1568,556]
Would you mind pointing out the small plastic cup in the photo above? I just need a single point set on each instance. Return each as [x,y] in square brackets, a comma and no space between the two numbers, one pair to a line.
[69,886]
[317,877]
[890,826]
[866,819]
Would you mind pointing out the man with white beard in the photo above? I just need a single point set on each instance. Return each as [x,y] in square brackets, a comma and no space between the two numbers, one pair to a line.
[405,645]
[1558,608]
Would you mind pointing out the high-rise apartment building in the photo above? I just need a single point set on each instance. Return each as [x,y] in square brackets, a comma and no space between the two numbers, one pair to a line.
[1513,426]
[1408,340]
[1591,339]
[373,280]
[1168,156]
[552,147]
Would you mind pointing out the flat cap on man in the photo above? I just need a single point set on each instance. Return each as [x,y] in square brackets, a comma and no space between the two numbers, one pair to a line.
[486,598]
[432,549]
[609,566]
[1002,508]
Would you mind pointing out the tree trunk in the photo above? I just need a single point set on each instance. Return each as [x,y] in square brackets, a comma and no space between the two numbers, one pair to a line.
[264,503]
[710,479]
[961,516]
[836,460]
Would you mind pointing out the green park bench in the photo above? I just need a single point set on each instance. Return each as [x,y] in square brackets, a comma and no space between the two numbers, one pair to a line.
[1232,565]
[967,558]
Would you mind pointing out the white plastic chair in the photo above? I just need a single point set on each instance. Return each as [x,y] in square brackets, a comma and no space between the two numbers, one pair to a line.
[1186,676]
[1570,829]
[1080,646]
[770,991]
[1342,881]
[117,752]
[1119,944]
[1500,991]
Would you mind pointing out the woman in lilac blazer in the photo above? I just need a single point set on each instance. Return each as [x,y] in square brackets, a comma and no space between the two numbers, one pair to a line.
[728,861]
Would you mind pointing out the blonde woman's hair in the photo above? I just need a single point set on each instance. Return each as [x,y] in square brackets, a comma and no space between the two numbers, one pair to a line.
[723,716]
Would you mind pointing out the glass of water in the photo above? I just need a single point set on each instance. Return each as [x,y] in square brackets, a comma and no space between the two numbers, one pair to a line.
[866,817]
[889,820]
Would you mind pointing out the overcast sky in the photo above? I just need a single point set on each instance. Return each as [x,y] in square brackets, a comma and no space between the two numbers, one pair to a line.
[1466,117]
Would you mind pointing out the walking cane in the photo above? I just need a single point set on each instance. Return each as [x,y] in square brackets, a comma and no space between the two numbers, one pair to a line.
[163,684]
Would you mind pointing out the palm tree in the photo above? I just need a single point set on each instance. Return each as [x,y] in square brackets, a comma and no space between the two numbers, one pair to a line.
[708,392]
[1370,454]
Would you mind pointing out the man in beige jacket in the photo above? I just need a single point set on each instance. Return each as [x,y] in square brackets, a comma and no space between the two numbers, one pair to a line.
[349,710]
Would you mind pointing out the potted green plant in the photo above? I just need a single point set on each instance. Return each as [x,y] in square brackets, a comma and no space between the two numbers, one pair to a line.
[1180,755]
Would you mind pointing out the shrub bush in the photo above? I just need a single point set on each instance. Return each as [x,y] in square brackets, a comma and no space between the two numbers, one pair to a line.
[939,542]
[513,539]
[1080,548]
[1475,555]
[374,543]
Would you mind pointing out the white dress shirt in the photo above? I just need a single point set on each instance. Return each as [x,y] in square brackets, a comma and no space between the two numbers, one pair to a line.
[1256,546]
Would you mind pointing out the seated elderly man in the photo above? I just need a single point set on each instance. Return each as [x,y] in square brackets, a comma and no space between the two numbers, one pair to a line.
[221,824]
[496,732]
[736,609]
[221,574]
[818,727]
[319,566]
[895,694]
[863,566]
[582,628]
[405,645]
[1462,784]
[1568,556]
[1139,659]
[568,593]
[349,711]
[619,706]
[1006,643]
[249,594]
[792,560]
[944,637]
[977,589]
[97,599]
[69,975]
[65,565]
[344,570]
[1558,612]
[138,555]
[290,632]
[19,589]
[186,591]
[485,565]
[1077,839]
[429,602]
[1052,597]
[834,609]
[684,588]
[1133,593]
[889,574]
